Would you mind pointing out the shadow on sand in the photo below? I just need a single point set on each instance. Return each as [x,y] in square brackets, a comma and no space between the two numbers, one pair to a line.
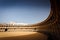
[51,36]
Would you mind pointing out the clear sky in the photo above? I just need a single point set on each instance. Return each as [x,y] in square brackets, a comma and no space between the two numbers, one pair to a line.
[24,11]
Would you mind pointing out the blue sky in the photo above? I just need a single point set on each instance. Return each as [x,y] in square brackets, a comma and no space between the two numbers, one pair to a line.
[24,11]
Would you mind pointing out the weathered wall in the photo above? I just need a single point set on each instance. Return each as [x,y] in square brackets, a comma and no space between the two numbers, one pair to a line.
[52,23]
